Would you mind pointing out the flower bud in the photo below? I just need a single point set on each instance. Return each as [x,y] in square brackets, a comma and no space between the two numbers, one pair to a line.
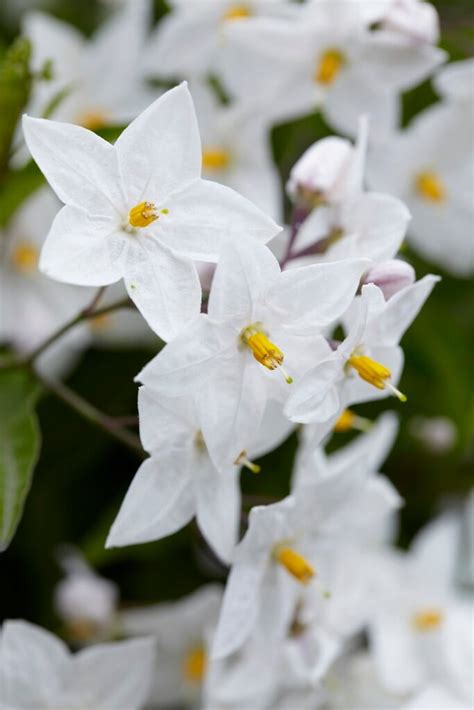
[415,19]
[86,601]
[316,176]
[391,276]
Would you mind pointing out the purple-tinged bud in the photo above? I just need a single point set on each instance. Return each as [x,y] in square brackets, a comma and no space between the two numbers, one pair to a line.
[315,178]
[391,276]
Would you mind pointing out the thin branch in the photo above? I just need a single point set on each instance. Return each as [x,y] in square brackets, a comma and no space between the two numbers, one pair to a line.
[110,425]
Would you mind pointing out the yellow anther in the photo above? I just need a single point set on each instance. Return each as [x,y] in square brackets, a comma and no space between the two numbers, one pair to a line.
[242,460]
[93,120]
[215,158]
[194,665]
[295,564]
[374,373]
[25,257]
[427,619]
[430,186]
[237,12]
[264,351]
[143,214]
[329,65]
[100,323]
[350,420]
[199,442]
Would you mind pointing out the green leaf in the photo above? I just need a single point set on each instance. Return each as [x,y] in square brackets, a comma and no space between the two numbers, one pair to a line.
[15,86]
[19,186]
[19,448]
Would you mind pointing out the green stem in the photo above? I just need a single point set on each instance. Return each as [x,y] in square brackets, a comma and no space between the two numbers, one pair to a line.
[108,424]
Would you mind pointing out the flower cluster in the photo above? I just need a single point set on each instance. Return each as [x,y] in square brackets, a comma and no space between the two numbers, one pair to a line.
[266,331]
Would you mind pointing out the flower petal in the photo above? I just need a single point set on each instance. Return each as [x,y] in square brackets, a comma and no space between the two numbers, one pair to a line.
[83,249]
[164,286]
[81,168]
[159,502]
[160,151]
[205,216]
[245,271]
[315,397]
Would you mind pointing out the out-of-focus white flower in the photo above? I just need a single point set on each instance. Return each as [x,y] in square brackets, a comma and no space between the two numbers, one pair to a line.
[438,434]
[284,541]
[189,40]
[327,58]
[94,82]
[416,19]
[84,600]
[435,697]
[180,481]
[37,670]
[139,210]
[236,149]
[391,276]
[260,321]
[368,362]
[183,630]
[455,81]
[31,305]
[429,167]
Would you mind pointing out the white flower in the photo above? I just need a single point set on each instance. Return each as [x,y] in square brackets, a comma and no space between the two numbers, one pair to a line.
[368,362]
[138,210]
[283,542]
[188,41]
[84,600]
[182,630]
[32,306]
[37,670]
[455,81]
[435,697]
[262,329]
[180,481]
[236,149]
[98,79]
[429,167]
[326,58]
[416,19]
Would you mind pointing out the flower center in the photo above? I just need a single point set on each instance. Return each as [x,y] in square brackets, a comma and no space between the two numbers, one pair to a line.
[427,619]
[25,257]
[194,665]
[100,323]
[429,185]
[295,564]
[215,158]
[350,420]
[237,12]
[93,120]
[144,214]
[199,442]
[264,351]
[328,66]
[374,373]
[242,460]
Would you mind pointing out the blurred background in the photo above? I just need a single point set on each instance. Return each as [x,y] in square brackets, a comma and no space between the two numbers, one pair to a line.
[82,474]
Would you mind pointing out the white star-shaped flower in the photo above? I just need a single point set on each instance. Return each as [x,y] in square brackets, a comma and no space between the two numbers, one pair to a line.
[139,210]
[38,671]
[368,363]
[262,329]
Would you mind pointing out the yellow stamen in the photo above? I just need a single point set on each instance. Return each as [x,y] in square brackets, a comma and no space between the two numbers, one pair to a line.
[264,351]
[430,186]
[237,12]
[215,158]
[350,420]
[374,373]
[295,564]
[194,665]
[242,460]
[199,442]
[25,257]
[143,214]
[93,120]
[427,619]
[329,65]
